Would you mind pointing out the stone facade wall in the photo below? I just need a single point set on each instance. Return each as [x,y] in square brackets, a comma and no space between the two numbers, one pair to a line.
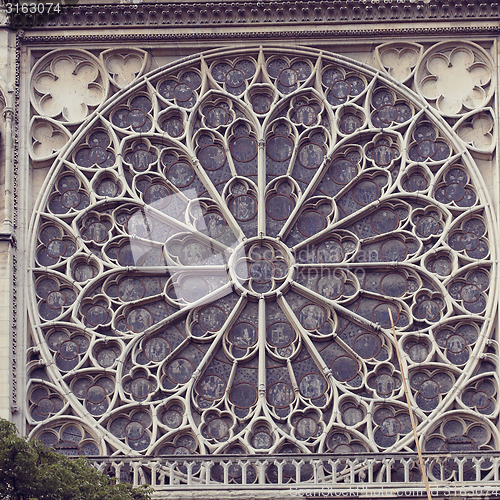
[402,81]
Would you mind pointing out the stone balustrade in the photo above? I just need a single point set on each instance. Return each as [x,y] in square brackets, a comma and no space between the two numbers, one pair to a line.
[327,475]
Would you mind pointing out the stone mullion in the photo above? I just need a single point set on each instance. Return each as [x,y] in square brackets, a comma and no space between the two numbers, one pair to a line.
[262,350]
[261,186]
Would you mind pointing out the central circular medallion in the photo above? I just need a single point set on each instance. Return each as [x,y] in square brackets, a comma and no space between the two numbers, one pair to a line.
[261,267]
[262,271]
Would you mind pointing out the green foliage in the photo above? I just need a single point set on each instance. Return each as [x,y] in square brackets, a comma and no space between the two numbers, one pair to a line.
[30,471]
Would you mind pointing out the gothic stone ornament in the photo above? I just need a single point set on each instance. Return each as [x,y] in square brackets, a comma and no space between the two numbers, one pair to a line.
[217,252]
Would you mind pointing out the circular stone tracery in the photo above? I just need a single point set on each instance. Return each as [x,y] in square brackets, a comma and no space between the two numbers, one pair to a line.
[230,293]
[261,267]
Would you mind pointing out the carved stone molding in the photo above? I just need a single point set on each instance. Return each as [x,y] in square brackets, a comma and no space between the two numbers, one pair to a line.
[150,38]
[264,13]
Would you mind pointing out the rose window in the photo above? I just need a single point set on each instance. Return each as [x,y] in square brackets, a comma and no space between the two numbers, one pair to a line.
[217,253]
